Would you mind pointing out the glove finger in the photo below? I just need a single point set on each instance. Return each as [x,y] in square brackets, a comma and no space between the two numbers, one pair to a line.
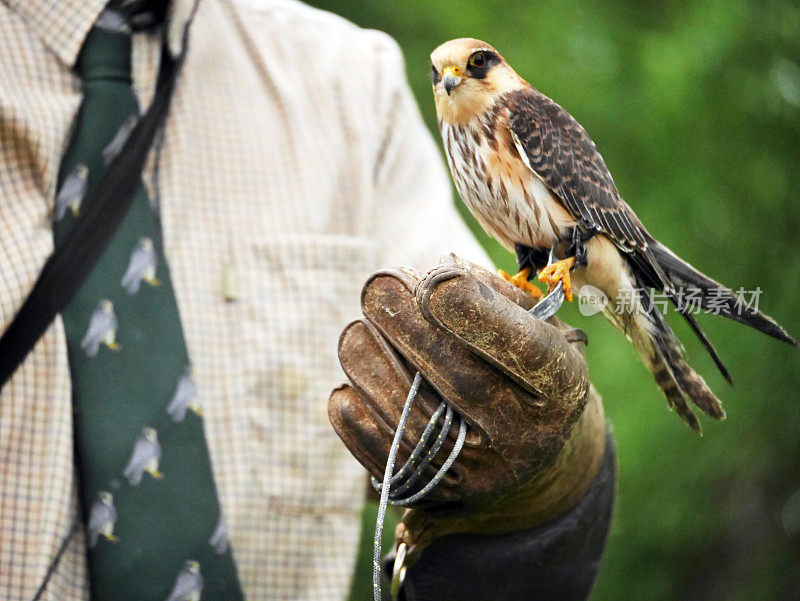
[381,378]
[359,429]
[531,352]
[369,440]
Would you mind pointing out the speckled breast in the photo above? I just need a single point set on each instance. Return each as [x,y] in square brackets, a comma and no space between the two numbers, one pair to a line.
[509,201]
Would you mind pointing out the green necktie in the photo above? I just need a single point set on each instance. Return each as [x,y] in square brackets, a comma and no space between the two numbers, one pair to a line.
[154,527]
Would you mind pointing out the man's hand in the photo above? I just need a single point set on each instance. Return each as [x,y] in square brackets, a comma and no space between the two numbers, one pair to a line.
[536,432]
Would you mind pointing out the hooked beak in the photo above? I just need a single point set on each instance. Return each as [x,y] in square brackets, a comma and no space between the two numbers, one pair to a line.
[451,78]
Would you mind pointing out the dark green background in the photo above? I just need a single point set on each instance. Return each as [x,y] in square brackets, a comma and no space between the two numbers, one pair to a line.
[696,109]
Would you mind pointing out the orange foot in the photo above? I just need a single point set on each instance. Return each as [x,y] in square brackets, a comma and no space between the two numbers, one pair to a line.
[521,281]
[558,271]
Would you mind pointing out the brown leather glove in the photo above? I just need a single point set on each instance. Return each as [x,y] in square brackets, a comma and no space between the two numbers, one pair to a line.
[536,431]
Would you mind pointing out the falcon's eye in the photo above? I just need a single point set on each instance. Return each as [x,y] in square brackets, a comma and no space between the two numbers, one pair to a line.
[481,62]
[435,76]
[477,60]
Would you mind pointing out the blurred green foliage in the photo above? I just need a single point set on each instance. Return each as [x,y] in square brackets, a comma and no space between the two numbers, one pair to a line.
[696,109]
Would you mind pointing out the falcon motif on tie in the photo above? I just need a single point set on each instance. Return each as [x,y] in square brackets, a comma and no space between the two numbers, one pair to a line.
[142,266]
[535,181]
[185,398]
[220,538]
[114,147]
[72,192]
[102,519]
[188,584]
[113,21]
[102,329]
[144,458]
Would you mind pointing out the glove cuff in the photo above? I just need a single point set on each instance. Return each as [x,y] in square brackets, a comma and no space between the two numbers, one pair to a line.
[555,561]
[553,491]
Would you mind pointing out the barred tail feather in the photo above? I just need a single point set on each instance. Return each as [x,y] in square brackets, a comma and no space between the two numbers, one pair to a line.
[688,381]
[672,373]
[667,384]
[660,350]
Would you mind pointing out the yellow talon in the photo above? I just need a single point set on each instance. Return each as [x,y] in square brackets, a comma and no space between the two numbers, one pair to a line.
[521,281]
[75,211]
[113,346]
[197,410]
[156,474]
[558,271]
[153,281]
[112,537]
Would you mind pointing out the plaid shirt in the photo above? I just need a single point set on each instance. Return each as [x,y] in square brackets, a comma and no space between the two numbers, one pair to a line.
[294,163]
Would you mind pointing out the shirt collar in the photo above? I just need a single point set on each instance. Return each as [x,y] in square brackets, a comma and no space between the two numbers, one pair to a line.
[62,25]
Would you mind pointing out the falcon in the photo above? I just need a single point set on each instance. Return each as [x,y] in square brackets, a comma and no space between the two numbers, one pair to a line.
[102,519]
[535,181]
[142,266]
[71,193]
[220,538]
[144,458]
[102,329]
[188,583]
[114,147]
[185,397]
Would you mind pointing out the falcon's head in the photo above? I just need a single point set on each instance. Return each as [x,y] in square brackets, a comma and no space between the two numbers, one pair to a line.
[468,75]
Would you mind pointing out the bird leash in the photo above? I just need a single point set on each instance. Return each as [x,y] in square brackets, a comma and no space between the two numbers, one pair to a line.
[396,492]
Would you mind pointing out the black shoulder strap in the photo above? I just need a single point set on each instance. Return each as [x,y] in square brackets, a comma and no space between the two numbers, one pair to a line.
[105,208]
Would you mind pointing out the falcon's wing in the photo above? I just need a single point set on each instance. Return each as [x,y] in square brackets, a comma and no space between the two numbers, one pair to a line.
[141,261]
[563,155]
[187,389]
[74,185]
[98,326]
[99,517]
[142,453]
